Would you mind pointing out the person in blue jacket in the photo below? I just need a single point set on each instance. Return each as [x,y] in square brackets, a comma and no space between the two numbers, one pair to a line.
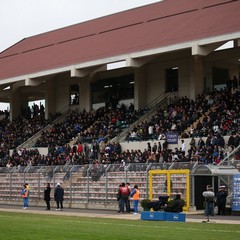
[24,195]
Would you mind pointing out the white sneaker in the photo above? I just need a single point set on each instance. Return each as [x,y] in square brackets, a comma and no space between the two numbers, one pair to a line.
[135,213]
[24,208]
[58,209]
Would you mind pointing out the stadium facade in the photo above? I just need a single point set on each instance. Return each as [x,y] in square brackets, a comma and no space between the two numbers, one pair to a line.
[136,55]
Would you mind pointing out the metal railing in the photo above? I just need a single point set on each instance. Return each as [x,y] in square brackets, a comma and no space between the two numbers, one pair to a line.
[83,184]
[93,185]
[230,159]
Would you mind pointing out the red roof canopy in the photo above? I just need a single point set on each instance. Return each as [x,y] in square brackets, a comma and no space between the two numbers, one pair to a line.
[156,25]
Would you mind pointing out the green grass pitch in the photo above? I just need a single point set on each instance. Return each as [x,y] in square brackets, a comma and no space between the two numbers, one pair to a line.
[27,226]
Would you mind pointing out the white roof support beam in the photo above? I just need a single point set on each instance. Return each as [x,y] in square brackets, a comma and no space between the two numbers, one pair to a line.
[79,72]
[131,62]
[87,71]
[31,82]
[205,50]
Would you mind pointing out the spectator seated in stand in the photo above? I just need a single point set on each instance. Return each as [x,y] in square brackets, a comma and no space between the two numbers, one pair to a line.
[102,124]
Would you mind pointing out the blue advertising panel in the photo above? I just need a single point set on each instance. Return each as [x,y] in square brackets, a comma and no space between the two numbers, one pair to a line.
[236,193]
[172,137]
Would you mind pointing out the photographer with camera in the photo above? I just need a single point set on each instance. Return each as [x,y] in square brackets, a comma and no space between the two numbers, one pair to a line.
[209,201]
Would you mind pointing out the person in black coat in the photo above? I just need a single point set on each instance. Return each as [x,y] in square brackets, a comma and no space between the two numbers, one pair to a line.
[58,196]
[47,197]
[221,200]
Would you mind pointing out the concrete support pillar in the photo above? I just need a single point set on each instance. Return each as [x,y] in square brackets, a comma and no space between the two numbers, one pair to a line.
[208,73]
[50,98]
[196,76]
[85,94]
[236,43]
[140,87]
[17,100]
[15,105]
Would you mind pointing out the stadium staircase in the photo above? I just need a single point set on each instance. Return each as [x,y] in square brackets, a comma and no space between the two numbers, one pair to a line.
[162,100]
[32,140]
[200,119]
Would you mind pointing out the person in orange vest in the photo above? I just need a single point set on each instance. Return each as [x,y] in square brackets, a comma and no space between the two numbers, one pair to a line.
[24,194]
[135,194]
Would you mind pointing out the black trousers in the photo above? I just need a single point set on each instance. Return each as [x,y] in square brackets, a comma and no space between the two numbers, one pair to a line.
[60,203]
[48,205]
[221,209]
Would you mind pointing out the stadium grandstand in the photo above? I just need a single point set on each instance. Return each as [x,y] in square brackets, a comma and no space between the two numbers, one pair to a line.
[151,88]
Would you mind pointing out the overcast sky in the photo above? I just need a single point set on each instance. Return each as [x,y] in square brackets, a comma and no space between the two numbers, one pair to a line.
[24,18]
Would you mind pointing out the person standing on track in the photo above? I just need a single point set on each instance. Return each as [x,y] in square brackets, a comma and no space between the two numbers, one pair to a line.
[47,197]
[209,201]
[24,195]
[124,193]
[28,194]
[58,196]
[221,200]
[135,194]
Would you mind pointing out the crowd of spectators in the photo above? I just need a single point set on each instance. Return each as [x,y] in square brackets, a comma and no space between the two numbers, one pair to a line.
[95,127]
[34,111]
[4,114]
[13,133]
[223,119]
[211,151]
[218,109]
[216,113]
[102,124]
[175,117]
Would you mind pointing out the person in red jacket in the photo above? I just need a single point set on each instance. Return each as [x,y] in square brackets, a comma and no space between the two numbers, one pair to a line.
[79,148]
[124,193]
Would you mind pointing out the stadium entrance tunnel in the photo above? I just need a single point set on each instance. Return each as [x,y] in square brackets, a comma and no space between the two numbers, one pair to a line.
[214,175]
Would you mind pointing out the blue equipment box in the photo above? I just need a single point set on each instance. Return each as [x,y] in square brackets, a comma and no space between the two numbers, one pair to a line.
[153,216]
[175,217]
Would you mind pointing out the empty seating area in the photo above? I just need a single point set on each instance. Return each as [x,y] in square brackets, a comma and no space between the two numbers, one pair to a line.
[80,185]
